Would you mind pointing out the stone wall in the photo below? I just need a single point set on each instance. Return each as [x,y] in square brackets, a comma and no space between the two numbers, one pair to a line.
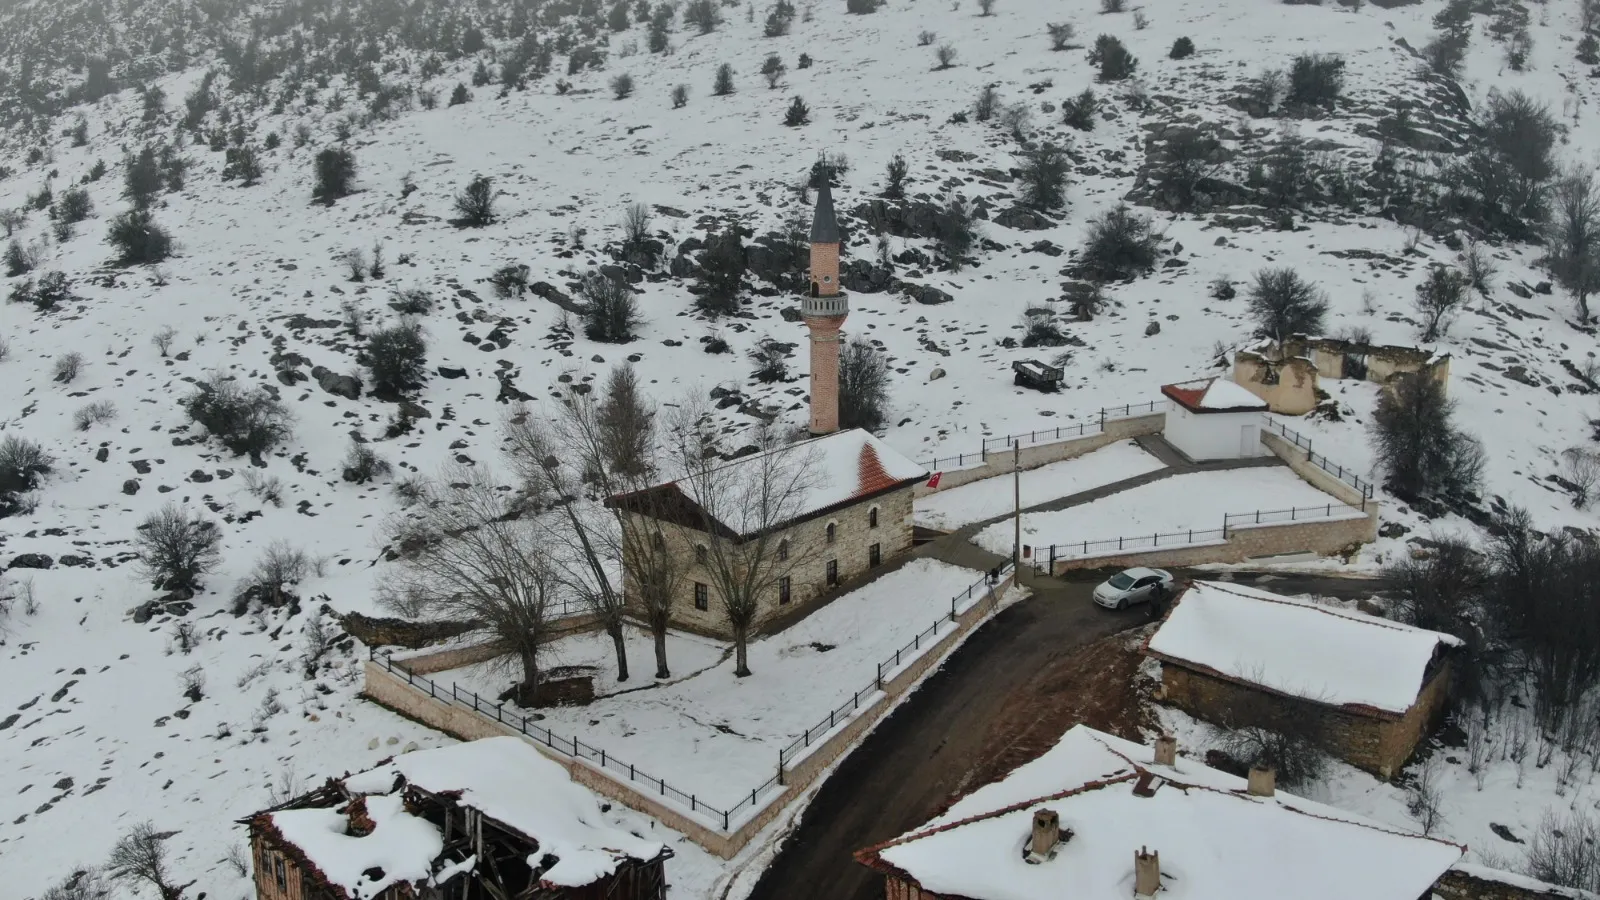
[998,462]
[1379,745]
[1467,882]
[1286,376]
[1288,387]
[456,657]
[390,690]
[809,553]
[1316,476]
[1325,537]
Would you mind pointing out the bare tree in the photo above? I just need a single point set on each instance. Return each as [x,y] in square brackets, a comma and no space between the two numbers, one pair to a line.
[139,856]
[1573,238]
[1580,466]
[741,510]
[863,386]
[84,884]
[1566,851]
[1439,296]
[472,560]
[1283,303]
[176,548]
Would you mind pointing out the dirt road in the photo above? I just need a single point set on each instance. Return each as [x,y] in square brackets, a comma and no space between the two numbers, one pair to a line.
[910,767]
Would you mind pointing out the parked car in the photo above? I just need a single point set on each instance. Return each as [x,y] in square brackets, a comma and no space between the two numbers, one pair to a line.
[1130,586]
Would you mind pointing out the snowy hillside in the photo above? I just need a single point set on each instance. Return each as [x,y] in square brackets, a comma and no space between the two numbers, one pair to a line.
[102,736]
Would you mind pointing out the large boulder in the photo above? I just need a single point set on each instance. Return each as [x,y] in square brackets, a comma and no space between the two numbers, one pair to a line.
[906,218]
[1023,219]
[928,295]
[346,386]
[863,277]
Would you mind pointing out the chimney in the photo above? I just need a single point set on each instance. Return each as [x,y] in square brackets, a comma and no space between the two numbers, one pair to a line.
[1166,750]
[1263,781]
[1046,834]
[1146,874]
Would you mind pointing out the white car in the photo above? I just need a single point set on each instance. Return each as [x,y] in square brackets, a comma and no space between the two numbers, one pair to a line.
[1130,586]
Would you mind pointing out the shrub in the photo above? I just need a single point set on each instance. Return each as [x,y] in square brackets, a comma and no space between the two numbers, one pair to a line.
[1114,60]
[96,413]
[1439,297]
[722,267]
[140,856]
[863,386]
[925,38]
[1188,157]
[72,206]
[51,290]
[396,357]
[771,359]
[510,280]
[1112,6]
[986,7]
[362,464]
[460,95]
[955,231]
[335,174]
[1315,80]
[1120,245]
[1061,34]
[1418,445]
[772,68]
[1293,751]
[475,204]
[1283,303]
[622,86]
[138,239]
[723,85]
[1221,289]
[895,184]
[636,239]
[1182,48]
[19,259]
[66,368]
[611,313]
[1040,328]
[946,56]
[702,14]
[797,114]
[246,422]
[1079,111]
[988,100]
[861,7]
[22,464]
[680,96]
[142,177]
[177,548]
[779,19]
[1044,179]
[243,164]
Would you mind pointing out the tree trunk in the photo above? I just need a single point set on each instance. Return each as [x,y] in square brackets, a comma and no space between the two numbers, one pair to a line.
[661,652]
[528,691]
[741,666]
[615,630]
[1583,307]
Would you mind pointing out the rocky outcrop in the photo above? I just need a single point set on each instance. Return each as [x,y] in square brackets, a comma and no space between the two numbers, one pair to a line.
[346,386]
[383,632]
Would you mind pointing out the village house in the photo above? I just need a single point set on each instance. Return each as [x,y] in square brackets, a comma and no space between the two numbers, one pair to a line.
[852,515]
[1286,375]
[1101,818]
[485,820]
[1367,689]
[1213,418]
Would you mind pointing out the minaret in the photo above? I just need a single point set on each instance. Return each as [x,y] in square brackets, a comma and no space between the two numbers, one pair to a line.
[824,310]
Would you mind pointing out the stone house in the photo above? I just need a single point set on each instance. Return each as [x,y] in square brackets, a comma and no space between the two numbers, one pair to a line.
[483,820]
[1368,689]
[853,515]
[1286,376]
[1103,818]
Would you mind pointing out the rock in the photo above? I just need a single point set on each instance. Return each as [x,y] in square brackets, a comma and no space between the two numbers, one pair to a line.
[392,741]
[447,372]
[928,295]
[1542,287]
[1519,290]
[550,292]
[936,374]
[1392,530]
[31,561]
[790,314]
[1153,329]
[103,454]
[1023,219]
[144,611]
[200,476]
[863,277]
[410,746]
[906,218]
[76,562]
[373,744]
[1045,247]
[130,487]
[1504,833]
[346,386]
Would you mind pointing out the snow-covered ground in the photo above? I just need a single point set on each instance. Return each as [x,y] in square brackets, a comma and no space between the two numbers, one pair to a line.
[1196,500]
[715,735]
[991,497]
[686,654]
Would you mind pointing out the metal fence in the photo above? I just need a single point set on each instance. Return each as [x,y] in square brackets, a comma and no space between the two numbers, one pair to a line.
[1282,516]
[1091,425]
[1320,461]
[845,710]
[575,748]
[1145,543]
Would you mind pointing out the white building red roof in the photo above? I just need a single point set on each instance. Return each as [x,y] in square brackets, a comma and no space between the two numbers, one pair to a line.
[1213,395]
[1215,841]
[1329,655]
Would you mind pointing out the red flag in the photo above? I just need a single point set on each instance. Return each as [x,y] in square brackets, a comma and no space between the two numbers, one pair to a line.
[934,481]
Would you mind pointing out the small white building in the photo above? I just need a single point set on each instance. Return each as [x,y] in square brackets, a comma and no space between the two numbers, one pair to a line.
[1213,418]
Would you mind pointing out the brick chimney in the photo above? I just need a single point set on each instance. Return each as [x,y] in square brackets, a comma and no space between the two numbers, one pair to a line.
[1263,781]
[1046,835]
[1166,750]
[1146,874]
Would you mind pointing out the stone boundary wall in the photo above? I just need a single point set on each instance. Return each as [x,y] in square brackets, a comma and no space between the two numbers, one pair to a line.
[998,462]
[456,657]
[1300,462]
[389,690]
[1475,883]
[1325,537]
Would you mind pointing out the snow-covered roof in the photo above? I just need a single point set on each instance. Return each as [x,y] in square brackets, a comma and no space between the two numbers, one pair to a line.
[1295,647]
[1215,841]
[1213,395]
[504,778]
[831,471]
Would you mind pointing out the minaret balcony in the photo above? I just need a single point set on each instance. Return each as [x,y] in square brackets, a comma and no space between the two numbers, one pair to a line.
[837,305]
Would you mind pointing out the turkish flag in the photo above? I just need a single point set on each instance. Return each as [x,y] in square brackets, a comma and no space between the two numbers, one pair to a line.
[934,481]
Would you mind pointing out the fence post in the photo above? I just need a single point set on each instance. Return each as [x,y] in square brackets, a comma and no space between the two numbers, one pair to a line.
[880,676]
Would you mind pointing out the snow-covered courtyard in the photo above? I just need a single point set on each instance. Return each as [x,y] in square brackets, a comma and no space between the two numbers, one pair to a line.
[991,497]
[1196,500]
[715,735]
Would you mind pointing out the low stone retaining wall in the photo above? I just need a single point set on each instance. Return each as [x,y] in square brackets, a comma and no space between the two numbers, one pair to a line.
[393,691]
[1324,537]
[998,462]
[1300,462]
[1468,882]
[456,657]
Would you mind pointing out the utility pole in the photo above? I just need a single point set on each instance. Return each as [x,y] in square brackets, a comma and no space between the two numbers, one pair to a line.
[1016,500]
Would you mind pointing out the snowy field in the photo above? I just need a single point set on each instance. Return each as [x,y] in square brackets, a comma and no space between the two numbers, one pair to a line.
[1197,500]
[687,655]
[991,497]
[715,735]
